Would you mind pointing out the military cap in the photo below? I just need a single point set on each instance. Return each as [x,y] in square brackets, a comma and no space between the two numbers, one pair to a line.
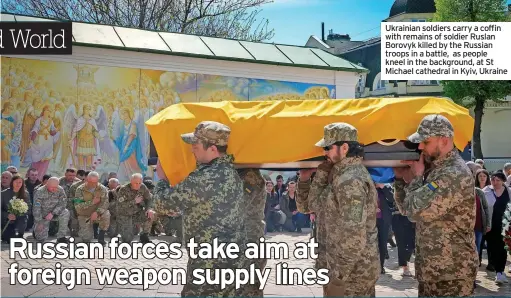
[211,132]
[338,132]
[432,126]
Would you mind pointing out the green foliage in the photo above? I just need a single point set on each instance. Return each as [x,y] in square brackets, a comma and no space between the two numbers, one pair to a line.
[467,93]
[474,94]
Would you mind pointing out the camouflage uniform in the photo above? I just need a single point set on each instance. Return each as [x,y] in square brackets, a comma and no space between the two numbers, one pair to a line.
[73,218]
[46,202]
[112,208]
[169,224]
[254,201]
[347,206]
[129,213]
[212,200]
[310,196]
[67,185]
[84,207]
[443,207]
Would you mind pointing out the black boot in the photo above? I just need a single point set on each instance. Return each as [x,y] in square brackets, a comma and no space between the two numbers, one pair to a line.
[62,240]
[95,228]
[144,238]
[101,237]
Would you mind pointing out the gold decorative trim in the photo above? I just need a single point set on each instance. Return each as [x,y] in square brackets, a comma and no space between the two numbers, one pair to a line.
[388,144]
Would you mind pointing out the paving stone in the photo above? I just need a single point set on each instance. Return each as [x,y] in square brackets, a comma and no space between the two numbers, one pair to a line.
[390,284]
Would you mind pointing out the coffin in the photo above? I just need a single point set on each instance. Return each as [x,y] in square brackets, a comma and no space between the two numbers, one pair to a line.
[385,153]
[281,134]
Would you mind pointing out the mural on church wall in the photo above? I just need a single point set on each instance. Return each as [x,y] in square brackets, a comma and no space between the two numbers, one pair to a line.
[214,88]
[260,89]
[57,115]
[163,88]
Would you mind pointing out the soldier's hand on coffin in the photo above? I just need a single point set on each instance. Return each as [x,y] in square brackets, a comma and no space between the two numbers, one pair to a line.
[160,172]
[417,167]
[94,216]
[305,174]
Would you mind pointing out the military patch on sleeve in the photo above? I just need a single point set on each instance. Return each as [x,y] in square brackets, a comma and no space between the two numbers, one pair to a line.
[37,203]
[121,199]
[433,186]
[248,189]
[355,211]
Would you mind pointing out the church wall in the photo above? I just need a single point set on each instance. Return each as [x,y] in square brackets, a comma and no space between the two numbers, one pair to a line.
[61,114]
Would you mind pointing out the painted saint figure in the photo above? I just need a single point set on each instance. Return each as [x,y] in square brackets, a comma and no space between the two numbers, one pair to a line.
[130,153]
[42,138]
[84,139]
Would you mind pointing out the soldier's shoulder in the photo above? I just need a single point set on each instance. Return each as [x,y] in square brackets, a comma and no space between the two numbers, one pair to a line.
[124,187]
[351,176]
[457,170]
[41,191]
[76,183]
[252,177]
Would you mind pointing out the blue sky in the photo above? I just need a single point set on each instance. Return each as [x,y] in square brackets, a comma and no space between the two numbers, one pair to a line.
[295,20]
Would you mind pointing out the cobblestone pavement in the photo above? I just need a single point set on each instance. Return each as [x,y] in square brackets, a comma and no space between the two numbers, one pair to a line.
[391,284]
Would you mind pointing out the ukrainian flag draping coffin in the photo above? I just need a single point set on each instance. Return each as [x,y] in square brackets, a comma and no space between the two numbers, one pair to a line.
[282,134]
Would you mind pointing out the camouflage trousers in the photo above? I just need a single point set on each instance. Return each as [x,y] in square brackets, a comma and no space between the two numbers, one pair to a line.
[169,224]
[361,282]
[446,288]
[73,219]
[336,288]
[125,225]
[74,226]
[253,290]
[85,231]
[42,227]
[206,290]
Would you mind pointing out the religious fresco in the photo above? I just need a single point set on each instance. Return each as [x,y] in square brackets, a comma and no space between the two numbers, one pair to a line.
[57,115]
[279,90]
[214,88]
[164,88]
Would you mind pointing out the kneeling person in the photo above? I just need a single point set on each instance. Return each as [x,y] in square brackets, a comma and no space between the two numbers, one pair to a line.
[91,205]
[50,203]
[134,206]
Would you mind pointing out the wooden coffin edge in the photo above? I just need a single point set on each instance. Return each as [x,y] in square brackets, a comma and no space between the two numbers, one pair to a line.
[294,166]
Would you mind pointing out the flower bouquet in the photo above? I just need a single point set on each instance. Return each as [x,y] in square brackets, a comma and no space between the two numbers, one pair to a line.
[17,207]
[506,228]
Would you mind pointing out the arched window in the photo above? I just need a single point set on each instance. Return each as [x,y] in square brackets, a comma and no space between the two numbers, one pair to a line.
[379,84]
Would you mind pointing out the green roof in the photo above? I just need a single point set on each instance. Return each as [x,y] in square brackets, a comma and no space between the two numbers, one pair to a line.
[177,44]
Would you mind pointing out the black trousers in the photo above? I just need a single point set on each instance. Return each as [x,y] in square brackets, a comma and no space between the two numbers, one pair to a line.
[404,230]
[10,232]
[487,250]
[383,237]
[496,249]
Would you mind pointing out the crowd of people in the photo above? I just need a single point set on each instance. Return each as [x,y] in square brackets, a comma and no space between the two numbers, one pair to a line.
[80,205]
[439,207]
